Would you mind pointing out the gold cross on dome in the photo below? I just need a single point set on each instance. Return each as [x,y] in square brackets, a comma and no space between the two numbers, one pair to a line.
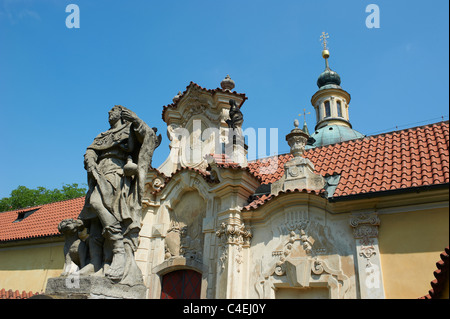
[304,115]
[323,39]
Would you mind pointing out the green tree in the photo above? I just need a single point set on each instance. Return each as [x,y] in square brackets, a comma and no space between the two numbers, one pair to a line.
[23,197]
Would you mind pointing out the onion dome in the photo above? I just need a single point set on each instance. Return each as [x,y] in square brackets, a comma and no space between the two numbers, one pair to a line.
[329,79]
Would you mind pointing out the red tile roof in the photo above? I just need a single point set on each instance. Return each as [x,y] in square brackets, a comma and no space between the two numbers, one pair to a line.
[403,159]
[269,169]
[9,294]
[42,223]
[441,274]
[261,200]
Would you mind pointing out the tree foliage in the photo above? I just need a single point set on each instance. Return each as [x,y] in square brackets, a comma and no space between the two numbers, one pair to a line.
[23,197]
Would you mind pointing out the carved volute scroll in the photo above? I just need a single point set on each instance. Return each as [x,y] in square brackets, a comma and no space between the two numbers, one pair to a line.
[306,272]
[365,228]
[235,236]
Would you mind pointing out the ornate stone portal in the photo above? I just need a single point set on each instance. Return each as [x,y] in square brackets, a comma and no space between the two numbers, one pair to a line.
[100,244]
[303,261]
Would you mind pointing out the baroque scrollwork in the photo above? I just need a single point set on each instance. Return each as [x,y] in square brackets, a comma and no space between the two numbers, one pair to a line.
[337,280]
[306,242]
[318,272]
[237,235]
[365,228]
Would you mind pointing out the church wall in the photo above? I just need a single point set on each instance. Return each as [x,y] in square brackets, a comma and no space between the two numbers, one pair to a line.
[27,268]
[408,255]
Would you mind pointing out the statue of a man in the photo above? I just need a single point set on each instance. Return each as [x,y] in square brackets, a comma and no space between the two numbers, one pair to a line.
[117,163]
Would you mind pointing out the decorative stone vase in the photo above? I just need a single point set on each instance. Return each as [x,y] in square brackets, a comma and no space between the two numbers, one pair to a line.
[130,168]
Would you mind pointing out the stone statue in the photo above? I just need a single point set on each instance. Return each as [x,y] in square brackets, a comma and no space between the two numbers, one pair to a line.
[236,117]
[117,163]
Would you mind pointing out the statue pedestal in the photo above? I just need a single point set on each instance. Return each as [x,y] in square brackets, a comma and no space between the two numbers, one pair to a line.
[91,287]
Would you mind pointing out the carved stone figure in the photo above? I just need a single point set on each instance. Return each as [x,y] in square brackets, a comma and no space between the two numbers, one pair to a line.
[75,250]
[236,117]
[173,241]
[117,163]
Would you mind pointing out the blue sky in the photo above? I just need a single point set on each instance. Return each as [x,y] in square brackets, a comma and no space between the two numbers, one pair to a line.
[58,84]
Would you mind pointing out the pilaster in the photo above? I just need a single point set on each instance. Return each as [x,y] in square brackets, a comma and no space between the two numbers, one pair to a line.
[365,231]
[232,273]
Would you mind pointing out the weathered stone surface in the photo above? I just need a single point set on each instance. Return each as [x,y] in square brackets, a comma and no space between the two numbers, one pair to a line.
[91,287]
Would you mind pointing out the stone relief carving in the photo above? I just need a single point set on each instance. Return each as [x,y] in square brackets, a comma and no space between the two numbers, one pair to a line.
[185,235]
[236,235]
[178,242]
[283,255]
[155,184]
[365,231]
[172,242]
[198,104]
[305,272]
[191,246]
[365,228]
[338,282]
[299,263]
[295,225]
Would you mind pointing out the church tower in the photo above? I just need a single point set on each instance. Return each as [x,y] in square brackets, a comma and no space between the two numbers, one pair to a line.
[198,126]
[331,104]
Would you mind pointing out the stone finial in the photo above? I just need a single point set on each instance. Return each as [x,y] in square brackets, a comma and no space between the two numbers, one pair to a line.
[297,140]
[227,83]
[299,171]
[177,97]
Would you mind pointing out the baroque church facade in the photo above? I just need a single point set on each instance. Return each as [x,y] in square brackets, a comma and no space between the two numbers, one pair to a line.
[300,225]
[342,216]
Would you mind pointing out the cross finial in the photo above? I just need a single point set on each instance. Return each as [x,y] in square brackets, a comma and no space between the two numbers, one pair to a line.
[323,39]
[304,115]
[325,52]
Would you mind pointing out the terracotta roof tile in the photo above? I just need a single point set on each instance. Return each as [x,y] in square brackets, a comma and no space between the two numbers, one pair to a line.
[269,169]
[9,294]
[408,158]
[41,223]
[261,200]
[441,275]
